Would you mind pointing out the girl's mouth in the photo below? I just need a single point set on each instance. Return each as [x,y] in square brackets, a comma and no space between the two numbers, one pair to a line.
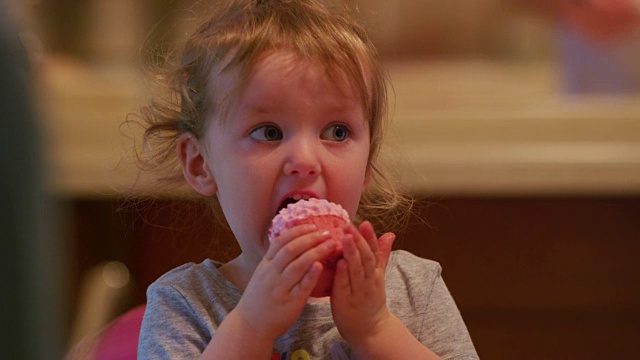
[292,200]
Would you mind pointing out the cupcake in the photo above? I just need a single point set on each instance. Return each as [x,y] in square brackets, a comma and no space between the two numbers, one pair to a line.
[326,216]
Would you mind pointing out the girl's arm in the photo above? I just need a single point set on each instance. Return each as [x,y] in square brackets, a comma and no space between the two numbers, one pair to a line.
[393,341]
[275,296]
[238,339]
[359,300]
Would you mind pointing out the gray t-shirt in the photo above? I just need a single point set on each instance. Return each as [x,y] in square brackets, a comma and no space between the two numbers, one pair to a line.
[186,305]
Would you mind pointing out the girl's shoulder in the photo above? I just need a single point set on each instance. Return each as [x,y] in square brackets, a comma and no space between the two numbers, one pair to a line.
[190,272]
[197,280]
[402,261]
[410,279]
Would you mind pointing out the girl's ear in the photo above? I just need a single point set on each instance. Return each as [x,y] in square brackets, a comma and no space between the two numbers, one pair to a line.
[195,169]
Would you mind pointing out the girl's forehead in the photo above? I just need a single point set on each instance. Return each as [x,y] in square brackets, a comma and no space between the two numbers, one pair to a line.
[229,81]
[285,62]
[285,68]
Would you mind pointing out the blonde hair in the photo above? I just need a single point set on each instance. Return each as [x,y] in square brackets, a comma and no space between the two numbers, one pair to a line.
[236,36]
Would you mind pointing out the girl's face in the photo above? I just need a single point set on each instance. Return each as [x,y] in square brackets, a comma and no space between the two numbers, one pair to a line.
[293,132]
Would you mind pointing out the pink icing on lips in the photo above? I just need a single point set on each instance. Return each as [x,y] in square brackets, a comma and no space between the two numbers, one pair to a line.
[303,209]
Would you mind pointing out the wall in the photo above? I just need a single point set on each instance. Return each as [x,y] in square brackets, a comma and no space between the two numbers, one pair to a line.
[534,277]
[530,192]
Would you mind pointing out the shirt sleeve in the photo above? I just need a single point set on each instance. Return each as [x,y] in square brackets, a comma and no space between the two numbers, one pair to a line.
[170,328]
[444,330]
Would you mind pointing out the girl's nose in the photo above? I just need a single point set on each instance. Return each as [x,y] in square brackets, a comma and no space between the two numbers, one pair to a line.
[302,160]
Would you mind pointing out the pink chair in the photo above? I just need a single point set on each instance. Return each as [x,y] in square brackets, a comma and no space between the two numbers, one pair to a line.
[117,341]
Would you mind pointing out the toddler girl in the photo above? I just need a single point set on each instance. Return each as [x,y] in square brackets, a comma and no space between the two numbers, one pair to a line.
[277,100]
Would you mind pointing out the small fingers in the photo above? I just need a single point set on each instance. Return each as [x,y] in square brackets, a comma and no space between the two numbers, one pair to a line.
[367,257]
[297,268]
[341,279]
[309,280]
[371,259]
[386,244]
[354,261]
[366,229]
[286,238]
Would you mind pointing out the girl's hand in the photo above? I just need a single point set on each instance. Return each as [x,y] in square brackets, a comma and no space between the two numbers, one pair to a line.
[281,284]
[358,299]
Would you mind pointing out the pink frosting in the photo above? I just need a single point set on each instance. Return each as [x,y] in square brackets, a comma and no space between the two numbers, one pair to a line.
[304,209]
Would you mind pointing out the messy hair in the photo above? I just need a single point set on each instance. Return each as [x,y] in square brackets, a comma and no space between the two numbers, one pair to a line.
[236,36]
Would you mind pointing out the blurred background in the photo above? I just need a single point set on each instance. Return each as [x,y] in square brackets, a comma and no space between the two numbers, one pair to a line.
[515,123]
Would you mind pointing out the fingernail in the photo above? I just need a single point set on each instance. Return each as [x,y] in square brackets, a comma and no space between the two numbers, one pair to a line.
[325,234]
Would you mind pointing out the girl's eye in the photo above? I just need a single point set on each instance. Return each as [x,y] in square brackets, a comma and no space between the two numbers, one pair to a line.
[266,133]
[338,133]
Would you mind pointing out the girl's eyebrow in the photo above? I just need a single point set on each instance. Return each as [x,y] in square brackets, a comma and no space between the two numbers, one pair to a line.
[265,107]
[260,109]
